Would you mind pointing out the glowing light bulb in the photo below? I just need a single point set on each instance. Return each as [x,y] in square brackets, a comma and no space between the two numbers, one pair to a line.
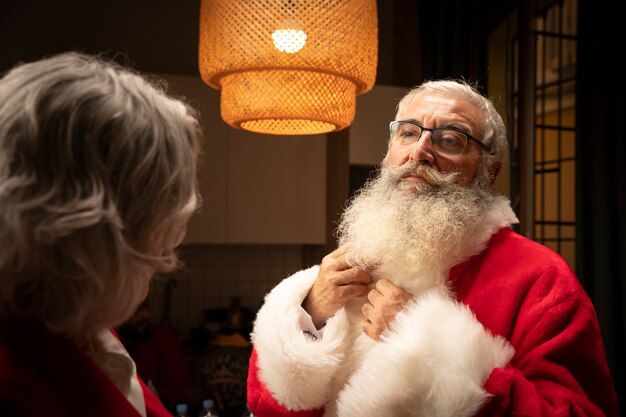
[289,40]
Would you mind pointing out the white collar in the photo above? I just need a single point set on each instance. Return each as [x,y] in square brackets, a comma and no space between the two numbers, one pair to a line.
[114,360]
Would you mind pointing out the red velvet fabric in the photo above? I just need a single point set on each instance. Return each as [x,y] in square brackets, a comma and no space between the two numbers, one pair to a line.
[261,401]
[42,374]
[161,359]
[526,293]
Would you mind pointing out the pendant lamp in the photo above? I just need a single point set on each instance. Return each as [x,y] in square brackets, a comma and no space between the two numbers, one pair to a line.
[288,67]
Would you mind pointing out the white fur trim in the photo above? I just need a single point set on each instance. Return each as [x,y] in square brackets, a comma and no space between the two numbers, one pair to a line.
[434,362]
[296,369]
[496,216]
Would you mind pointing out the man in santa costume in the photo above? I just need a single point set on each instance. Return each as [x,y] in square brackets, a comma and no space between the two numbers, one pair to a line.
[432,305]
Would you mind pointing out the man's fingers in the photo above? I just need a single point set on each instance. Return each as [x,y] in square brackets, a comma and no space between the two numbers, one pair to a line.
[349,291]
[368,329]
[365,310]
[385,286]
[373,330]
[373,296]
[335,261]
[390,291]
[340,264]
[354,276]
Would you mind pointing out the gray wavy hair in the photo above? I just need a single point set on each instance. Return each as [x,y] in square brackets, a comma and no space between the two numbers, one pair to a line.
[96,164]
[493,129]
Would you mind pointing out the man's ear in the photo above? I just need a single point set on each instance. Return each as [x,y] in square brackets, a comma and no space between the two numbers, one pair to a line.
[494,170]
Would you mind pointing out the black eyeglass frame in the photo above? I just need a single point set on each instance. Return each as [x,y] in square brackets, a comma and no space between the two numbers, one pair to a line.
[467,135]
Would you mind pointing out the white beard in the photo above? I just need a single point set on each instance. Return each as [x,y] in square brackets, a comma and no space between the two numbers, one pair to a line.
[403,230]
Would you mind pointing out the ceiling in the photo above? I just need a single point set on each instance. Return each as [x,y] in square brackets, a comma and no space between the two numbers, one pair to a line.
[153,35]
[162,35]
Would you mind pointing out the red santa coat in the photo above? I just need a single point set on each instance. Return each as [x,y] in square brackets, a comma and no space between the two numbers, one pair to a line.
[42,374]
[523,296]
[161,360]
[526,293]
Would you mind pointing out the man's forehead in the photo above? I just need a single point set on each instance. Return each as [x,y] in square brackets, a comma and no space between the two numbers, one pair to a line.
[456,109]
[438,100]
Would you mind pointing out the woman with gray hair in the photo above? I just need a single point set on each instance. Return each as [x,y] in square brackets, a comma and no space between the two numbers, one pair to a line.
[97,182]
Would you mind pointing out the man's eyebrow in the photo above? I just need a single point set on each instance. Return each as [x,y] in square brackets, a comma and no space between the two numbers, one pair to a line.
[456,126]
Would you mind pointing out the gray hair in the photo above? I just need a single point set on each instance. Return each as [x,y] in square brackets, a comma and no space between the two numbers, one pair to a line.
[493,130]
[96,165]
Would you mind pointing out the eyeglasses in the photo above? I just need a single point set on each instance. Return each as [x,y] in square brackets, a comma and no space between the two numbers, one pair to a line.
[446,141]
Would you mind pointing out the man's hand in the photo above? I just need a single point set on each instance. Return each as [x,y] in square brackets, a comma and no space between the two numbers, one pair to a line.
[385,301]
[336,283]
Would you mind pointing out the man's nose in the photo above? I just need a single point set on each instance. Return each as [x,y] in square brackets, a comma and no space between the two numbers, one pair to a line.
[422,152]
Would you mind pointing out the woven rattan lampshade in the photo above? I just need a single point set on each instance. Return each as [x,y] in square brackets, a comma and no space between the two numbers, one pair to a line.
[289,67]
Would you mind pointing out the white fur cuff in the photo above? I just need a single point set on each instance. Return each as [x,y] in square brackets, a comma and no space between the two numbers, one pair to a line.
[434,362]
[296,369]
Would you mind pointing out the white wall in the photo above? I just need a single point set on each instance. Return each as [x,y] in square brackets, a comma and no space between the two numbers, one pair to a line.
[370,131]
[256,188]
